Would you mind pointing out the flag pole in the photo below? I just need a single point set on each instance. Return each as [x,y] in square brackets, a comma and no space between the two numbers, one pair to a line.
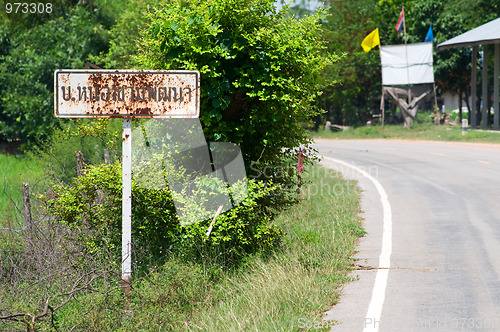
[406,52]
[382,102]
[404,24]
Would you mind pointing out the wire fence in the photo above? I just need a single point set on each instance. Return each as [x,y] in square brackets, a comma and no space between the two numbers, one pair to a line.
[19,231]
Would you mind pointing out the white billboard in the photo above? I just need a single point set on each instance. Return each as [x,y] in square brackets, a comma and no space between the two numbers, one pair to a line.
[407,64]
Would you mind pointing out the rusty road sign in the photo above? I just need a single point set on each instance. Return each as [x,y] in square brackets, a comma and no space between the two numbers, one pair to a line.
[126,94]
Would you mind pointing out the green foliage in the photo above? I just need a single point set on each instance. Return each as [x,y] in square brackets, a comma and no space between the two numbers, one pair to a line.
[50,9]
[423,129]
[260,69]
[94,200]
[28,58]
[473,13]
[125,35]
[90,136]
[247,228]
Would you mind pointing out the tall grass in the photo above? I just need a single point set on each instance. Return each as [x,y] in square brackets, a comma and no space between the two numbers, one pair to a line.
[301,280]
[14,170]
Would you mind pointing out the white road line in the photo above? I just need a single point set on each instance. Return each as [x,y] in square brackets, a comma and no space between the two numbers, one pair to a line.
[372,320]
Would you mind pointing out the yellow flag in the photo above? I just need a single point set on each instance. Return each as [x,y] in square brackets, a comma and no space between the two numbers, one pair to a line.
[371,41]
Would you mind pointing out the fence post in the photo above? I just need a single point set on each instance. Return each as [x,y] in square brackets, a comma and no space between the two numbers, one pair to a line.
[79,163]
[106,157]
[26,205]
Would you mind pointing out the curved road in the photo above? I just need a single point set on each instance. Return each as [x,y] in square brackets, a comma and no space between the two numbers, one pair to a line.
[444,272]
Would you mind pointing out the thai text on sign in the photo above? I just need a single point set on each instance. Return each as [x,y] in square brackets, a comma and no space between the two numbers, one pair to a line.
[119,93]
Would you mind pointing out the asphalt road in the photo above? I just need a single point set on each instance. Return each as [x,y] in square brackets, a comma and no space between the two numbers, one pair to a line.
[443,240]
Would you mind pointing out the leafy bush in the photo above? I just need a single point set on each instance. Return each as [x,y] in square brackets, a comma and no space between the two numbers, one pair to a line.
[424,117]
[94,201]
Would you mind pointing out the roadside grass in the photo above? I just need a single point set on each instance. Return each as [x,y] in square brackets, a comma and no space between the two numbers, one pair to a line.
[301,281]
[288,289]
[419,131]
[14,170]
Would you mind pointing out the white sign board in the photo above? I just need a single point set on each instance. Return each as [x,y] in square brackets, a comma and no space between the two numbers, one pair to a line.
[407,64]
[126,93]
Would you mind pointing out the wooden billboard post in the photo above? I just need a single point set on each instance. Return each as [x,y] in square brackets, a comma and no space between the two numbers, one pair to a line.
[126,94]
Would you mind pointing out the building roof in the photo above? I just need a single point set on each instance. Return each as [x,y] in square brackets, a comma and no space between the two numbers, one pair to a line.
[488,33]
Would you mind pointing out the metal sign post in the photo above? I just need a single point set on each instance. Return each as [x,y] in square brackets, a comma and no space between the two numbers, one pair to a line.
[126,94]
[127,204]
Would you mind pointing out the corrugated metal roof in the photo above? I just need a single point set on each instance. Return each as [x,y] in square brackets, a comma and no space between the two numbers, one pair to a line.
[488,33]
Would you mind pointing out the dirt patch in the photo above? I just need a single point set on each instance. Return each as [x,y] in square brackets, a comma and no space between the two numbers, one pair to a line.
[10,147]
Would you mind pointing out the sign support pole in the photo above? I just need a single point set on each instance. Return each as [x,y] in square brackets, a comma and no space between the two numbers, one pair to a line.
[126,204]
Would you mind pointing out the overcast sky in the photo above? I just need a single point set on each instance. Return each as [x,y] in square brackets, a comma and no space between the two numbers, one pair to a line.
[312,4]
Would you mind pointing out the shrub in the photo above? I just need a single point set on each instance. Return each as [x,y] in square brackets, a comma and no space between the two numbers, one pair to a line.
[94,201]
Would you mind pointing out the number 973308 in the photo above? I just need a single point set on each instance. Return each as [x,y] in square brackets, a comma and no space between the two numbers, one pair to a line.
[28,8]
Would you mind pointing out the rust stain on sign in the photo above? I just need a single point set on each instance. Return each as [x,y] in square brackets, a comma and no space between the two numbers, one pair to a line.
[126,93]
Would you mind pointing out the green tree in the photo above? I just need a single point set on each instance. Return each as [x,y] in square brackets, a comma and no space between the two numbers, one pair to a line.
[261,69]
[472,13]
[126,34]
[350,101]
[454,66]
[451,67]
[359,76]
[31,53]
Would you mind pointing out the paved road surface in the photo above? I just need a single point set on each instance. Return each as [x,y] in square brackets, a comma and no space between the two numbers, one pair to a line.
[444,270]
